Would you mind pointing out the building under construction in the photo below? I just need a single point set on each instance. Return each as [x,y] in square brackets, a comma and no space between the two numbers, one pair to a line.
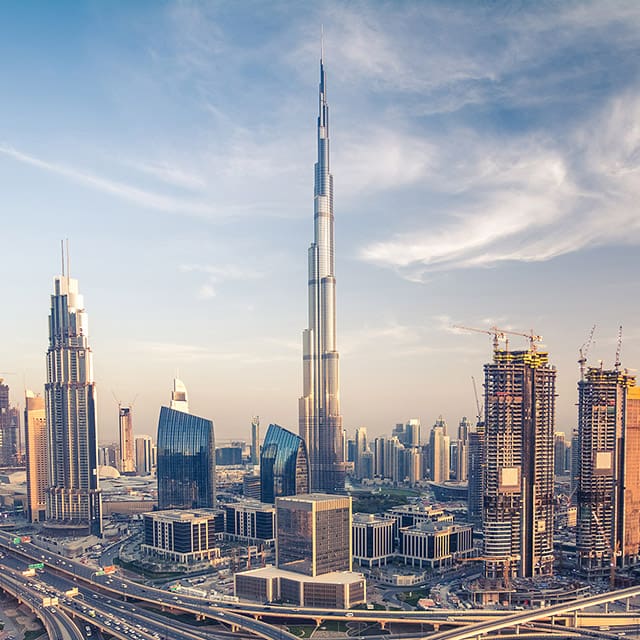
[608,478]
[518,466]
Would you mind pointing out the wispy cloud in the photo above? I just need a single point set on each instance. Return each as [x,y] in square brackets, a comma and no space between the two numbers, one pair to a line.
[146,199]
[180,353]
[535,205]
[217,274]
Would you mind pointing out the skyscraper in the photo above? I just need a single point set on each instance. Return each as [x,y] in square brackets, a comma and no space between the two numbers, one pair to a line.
[475,460]
[127,463]
[319,407]
[560,450]
[255,440]
[608,477]
[36,440]
[186,457]
[314,534]
[144,455]
[9,429]
[284,466]
[74,502]
[440,452]
[518,458]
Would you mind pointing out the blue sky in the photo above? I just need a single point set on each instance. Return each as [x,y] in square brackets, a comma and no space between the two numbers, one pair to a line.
[485,158]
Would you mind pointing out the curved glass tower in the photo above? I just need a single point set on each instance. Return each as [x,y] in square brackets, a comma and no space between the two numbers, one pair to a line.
[319,407]
[186,461]
[284,467]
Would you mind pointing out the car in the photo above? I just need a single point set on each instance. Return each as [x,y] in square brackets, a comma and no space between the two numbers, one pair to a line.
[349,614]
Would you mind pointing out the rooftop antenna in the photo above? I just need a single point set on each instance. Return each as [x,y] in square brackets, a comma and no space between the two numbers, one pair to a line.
[68,262]
[62,255]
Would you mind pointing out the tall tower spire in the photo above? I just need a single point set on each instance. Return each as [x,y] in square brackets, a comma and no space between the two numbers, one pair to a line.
[320,421]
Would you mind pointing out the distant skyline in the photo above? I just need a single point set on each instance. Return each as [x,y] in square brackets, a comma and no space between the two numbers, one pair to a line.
[485,159]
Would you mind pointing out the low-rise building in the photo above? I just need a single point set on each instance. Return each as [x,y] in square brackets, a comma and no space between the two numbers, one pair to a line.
[183,536]
[372,539]
[435,544]
[335,590]
[250,521]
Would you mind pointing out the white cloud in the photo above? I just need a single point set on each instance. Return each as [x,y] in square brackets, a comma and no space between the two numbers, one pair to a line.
[217,274]
[146,199]
[531,203]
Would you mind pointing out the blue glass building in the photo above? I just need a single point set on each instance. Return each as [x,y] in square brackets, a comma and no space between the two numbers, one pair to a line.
[284,465]
[186,464]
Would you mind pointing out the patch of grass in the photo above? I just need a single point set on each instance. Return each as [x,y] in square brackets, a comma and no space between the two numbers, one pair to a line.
[32,635]
[334,625]
[412,597]
[302,631]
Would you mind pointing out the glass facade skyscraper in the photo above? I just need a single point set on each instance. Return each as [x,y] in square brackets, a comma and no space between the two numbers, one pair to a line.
[320,422]
[186,464]
[284,467]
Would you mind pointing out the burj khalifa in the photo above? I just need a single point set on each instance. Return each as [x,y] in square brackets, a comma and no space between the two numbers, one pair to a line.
[319,406]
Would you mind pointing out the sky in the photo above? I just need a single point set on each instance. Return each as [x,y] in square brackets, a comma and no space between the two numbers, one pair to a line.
[485,160]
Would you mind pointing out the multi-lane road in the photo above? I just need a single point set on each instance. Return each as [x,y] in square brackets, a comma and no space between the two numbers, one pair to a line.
[115,604]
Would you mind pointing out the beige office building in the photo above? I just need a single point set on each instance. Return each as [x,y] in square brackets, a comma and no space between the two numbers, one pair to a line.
[313,533]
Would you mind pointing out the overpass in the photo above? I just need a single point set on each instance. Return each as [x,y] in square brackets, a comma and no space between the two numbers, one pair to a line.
[248,617]
[478,630]
[57,625]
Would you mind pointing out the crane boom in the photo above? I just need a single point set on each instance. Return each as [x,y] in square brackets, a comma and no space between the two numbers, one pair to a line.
[584,350]
[478,408]
[618,349]
[501,334]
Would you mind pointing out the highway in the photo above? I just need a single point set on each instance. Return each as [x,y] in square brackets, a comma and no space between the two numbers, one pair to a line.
[101,591]
[58,624]
[480,629]
[114,598]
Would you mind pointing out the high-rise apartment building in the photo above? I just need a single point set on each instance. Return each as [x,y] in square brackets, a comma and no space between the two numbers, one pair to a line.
[127,462]
[361,448]
[186,464]
[461,461]
[319,407]
[608,495]
[284,465]
[518,459]
[440,452]
[559,452]
[9,429]
[255,440]
[36,440]
[313,534]
[74,502]
[144,455]
[475,469]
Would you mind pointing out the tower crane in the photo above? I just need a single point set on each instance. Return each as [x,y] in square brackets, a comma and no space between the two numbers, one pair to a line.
[584,350]
[478,407]
[618,348]
[493,331]
[501,334]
